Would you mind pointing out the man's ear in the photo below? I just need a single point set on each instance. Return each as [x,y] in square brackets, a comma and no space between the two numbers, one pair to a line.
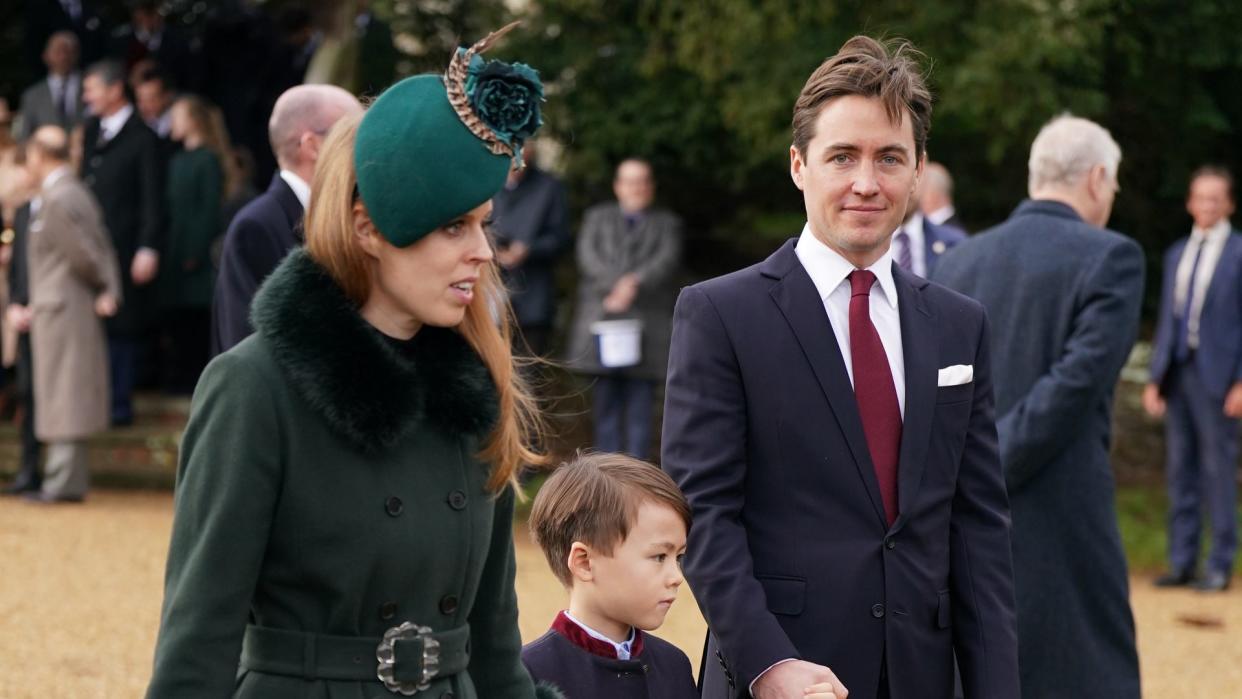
[795,167]
[579,562]
[1097,182]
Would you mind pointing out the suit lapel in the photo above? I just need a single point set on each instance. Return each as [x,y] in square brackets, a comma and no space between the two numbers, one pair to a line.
[799,302]
[919,346]
[1227,251]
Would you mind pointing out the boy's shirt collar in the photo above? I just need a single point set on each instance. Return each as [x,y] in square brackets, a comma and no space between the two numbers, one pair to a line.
[596,643]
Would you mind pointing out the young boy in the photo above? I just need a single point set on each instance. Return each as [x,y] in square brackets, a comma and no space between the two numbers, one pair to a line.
[614,530]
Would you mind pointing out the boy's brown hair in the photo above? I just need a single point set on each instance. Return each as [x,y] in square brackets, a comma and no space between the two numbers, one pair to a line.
[867,68]
[594,499]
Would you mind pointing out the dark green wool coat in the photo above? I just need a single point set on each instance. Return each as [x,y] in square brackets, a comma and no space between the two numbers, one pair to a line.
[328,485]
[193,196]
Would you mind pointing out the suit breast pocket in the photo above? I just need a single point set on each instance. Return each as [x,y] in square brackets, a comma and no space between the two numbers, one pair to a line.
[946,395]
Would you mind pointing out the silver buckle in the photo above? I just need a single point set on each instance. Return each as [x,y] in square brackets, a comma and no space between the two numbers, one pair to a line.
[386,656]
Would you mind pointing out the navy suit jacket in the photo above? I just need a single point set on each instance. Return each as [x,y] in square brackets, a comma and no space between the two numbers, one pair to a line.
[1219,357]
[790,555]
[937,240]
[258,238]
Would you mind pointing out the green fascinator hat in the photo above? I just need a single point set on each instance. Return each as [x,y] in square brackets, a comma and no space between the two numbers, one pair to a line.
[433,147]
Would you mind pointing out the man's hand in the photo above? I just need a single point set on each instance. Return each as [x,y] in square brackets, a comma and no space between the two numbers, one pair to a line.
[513,255]
[105,305]
[1233,401]
[1154,404]
[145,266]
[798,679]
[622,295]
[18,317]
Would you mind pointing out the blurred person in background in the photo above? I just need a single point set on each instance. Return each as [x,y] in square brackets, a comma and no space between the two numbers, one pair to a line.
[121,165]
[1196,383]
[199,174]
[936,197]
[57,98]
[267,228]
[74,280]
[628,253]
[531,219]
[1063,295]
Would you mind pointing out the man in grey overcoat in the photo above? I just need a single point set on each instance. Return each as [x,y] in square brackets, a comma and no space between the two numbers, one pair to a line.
[74,282]
[628,254]
[1063,294]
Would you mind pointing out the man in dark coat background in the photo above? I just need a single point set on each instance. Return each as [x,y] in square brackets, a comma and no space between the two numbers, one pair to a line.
[121,164]
[267,228]
[1064,296]
[29,479]
[532,231]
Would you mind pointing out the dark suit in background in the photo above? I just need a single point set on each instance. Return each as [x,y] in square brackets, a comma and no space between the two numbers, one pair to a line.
[1064,298]
[39,108]
[28,475]
[259,237]
[1202,441]
[939,239]
[791,555]
[126,177]
[535,214]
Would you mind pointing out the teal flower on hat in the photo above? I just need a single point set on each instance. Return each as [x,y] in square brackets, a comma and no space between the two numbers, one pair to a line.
[506,97]
[499,102]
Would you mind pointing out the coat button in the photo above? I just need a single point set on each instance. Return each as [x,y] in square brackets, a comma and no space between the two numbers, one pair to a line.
[448,605]
[388,610]
[89,179]
[890,543]
[96,161]
[877,611]
[393,506]
[457,500]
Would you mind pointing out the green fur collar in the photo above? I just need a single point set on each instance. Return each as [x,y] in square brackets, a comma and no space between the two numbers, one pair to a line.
[370,390]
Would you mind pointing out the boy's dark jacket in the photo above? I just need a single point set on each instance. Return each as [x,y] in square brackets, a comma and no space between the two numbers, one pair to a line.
[583,668]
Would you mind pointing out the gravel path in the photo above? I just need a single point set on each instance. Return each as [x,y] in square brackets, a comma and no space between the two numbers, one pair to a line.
[82,584]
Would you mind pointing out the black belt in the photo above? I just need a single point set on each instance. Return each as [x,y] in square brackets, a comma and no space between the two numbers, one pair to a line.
[417,657]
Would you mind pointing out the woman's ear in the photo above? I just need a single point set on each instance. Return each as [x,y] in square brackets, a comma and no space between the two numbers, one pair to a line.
[364,231]
[579,562]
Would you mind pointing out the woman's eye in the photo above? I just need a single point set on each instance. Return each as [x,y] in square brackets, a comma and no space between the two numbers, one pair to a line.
[660,557]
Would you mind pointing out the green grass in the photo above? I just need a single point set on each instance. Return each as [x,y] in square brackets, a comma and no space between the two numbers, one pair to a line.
[1143,514]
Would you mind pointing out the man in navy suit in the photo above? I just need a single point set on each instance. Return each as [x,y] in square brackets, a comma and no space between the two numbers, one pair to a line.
[829,417]
[919,243]
[1196,380]
[1065,294]
[267,228]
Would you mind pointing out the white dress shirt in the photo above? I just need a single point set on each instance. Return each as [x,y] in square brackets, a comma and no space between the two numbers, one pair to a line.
[942,214]
[1212,241]
[301,190]
[830,273]
[110,126]
[917,243]
[624,649]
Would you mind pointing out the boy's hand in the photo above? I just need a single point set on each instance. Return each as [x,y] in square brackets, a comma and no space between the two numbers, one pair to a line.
[824,690]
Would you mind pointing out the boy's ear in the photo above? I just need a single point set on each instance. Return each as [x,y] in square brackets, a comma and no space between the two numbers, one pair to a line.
[579,563]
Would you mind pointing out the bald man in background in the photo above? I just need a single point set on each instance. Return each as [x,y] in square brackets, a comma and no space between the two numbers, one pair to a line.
[936,197]
[267,228]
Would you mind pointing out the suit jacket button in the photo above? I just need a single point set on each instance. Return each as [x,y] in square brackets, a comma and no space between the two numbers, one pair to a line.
[393,506]
[457,500]
[890,543]
[96,161]
[877,611]
[388,610]
[448,605]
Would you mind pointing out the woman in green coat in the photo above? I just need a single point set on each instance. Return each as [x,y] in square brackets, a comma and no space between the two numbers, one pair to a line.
[344,499]
[194,195]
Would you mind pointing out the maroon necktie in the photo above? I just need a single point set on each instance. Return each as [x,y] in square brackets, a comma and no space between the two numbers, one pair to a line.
[874,390]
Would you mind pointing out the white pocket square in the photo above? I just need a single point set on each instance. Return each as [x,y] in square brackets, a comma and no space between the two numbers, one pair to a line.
[955,375]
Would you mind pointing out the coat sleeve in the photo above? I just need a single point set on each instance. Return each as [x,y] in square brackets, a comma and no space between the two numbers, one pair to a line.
[76,230]
[984,616]
[704,450]
[1048,418]
[595,271]
[151,196]
[247,260]
[496,644]
[1162,342]
[204,224]
[228,482]
[657,269]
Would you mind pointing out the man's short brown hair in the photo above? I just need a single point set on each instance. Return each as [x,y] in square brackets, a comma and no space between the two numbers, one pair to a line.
[1216,171]
[594,499]
[868,68]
